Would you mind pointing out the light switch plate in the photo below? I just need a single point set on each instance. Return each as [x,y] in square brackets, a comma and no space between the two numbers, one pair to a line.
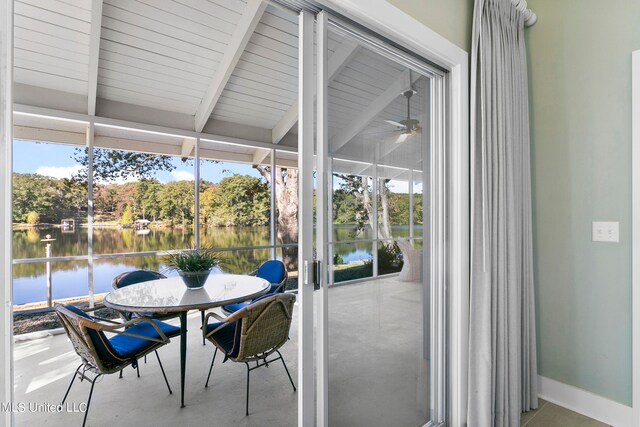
[605,231]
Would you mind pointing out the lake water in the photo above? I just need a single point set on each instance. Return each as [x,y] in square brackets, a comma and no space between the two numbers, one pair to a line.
[70,278]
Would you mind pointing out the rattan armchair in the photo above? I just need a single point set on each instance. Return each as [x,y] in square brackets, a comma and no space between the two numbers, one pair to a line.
[102,355]
[129,278]
[253,333]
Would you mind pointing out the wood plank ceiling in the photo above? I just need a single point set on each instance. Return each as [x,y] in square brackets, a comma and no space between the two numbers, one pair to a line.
[236,59]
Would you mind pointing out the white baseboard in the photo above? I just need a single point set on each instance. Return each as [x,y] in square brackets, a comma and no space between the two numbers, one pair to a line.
[586,403]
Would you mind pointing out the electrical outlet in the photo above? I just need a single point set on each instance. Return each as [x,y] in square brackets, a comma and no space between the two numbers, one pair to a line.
[605,231]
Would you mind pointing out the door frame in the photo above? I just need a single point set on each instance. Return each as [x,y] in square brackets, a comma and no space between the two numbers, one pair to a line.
[635,244]
[398,27]
[6,132]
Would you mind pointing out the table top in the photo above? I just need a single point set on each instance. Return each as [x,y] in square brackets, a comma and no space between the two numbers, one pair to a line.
[171,295]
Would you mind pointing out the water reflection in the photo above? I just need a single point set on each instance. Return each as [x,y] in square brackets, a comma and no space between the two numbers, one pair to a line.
[70,279]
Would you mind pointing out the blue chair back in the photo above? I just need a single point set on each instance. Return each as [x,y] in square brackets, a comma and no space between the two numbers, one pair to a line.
[98,342]
[274,272]
[136,276]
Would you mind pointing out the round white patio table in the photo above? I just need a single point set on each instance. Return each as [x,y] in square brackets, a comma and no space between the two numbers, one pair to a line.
[170,295]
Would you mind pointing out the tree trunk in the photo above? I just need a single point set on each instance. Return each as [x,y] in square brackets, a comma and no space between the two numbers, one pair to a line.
[286,189]
[384,228]
[366,199]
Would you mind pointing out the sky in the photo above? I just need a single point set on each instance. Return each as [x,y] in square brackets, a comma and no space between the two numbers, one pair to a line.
[57,161]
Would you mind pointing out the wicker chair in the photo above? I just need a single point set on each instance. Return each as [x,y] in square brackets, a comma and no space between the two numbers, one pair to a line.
[129,278]
[101,355]
[253,333]
[272,271]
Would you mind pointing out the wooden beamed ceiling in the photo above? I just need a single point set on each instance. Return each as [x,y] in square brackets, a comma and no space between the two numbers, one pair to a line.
[223,63]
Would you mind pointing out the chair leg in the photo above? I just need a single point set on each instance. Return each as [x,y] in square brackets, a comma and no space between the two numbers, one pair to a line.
[145,359]
[204,342]
[211,368]
[162,369]
[120,374]
[138,370]
[285,368]
[75,374]
[93,383]
[248,372]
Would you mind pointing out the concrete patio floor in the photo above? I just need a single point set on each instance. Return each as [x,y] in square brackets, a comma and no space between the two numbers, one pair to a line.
[378,375]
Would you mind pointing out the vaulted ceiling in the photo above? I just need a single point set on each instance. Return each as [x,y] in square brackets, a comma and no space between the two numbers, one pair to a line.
[222,67]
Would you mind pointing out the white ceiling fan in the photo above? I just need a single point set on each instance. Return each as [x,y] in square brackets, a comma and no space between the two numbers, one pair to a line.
[407,127]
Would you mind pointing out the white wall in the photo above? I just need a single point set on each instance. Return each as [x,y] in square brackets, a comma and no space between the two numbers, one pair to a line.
[580,103]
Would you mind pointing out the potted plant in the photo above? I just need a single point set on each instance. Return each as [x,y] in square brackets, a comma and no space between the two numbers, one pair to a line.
[193,265]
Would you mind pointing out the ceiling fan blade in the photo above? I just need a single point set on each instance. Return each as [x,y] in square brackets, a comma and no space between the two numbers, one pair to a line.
[393,123]
[402,138]
[382,132]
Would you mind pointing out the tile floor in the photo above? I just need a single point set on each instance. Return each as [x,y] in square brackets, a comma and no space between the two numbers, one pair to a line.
[551,415]
[375,327]
[378,373]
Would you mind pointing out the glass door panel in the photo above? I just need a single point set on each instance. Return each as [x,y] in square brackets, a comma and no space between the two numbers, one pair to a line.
[376,366]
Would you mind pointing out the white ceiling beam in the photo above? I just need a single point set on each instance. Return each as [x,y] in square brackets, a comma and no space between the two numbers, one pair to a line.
[188,144]
[286,163]
[339,59]
[259,155]
[22,109]
[248,22]
[285,123]
[395,175]
[94,55]
[112,143]
[380,103]
[49,135]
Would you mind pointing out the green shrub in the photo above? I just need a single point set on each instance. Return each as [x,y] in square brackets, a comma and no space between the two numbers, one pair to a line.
[127,216]
[367,267]
[337,259]
[33,218]
[389,258]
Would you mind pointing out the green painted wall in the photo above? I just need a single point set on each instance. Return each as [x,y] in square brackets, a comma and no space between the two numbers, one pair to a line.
[580,98]
[449,18]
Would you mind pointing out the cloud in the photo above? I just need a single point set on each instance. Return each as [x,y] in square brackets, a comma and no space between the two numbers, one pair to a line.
[182,176]
[399,186]
[58,171]
[403,187]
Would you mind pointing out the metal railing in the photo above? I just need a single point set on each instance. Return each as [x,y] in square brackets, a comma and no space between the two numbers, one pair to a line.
[48,259]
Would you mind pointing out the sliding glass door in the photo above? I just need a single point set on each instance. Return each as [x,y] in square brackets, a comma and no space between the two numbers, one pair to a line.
[379,309]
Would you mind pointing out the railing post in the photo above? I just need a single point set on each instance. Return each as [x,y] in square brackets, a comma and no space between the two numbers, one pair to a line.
[47,254]
[90,134]
[272,207]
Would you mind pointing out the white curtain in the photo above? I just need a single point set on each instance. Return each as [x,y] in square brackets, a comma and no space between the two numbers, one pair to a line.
[502,344]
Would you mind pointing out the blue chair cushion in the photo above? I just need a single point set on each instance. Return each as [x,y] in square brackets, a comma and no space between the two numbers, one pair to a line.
[232,308]
[227,338]
[121,348]
[138,276]
[77,311]
[129,347]
[272,271]
[275,288]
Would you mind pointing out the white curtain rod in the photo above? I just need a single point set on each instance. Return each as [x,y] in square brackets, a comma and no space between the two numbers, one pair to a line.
[530,17]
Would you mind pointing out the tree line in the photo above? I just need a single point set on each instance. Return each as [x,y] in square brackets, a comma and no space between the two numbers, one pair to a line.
[237,200]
